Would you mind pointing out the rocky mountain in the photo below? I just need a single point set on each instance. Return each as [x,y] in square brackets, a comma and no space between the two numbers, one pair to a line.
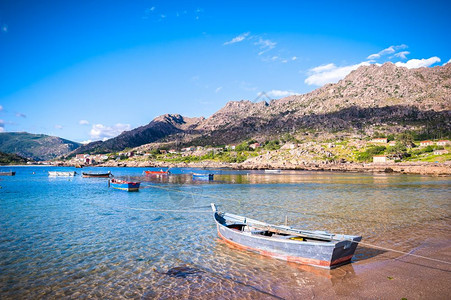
[160,128]
[386,98]
[35,146]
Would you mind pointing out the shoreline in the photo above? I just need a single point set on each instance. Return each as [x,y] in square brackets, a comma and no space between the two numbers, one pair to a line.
[420,168]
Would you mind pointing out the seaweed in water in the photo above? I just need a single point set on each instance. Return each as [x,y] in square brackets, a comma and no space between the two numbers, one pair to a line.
[183,272]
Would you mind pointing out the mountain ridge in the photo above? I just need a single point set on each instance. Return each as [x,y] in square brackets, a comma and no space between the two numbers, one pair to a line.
[367,97]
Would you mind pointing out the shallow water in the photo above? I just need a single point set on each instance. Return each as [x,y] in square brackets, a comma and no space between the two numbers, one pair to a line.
[77,238]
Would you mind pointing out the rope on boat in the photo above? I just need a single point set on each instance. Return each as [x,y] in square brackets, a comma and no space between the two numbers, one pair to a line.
[405,253]
[228,199]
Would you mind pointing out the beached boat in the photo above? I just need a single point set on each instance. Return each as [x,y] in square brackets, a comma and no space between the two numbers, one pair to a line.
[272,171]
[57,173]
[97,175]
[124,185]
[10,173]
[316,248]
[161,172]
[207,177]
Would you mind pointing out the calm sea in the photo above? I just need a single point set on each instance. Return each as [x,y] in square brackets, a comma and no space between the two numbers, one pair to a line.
[76,238]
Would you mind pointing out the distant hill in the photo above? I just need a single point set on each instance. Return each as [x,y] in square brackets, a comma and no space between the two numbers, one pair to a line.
[11,159]
[157,130]
[35,146]
[387,99]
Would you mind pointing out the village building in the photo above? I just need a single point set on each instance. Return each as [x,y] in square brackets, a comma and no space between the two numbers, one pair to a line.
[392,143]
[381,159]
[426,143]
[443,143]
[440,152]
[379,141]
[254,145]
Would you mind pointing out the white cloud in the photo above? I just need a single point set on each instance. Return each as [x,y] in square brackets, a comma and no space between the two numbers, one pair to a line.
[1,108]
[238,39]
[449,61]
[294,58]
[83,122]
[402,54]
[330,73]
[218,89]
[265,45]
[323,68]
[4,28]
[99,131]
[86,142]
[419,63]
[279,93]
[58,126]
[389,50]
[21,115]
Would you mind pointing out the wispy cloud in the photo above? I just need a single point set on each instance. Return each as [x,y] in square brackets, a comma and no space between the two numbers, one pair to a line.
[330,73]
[1,108]
[386,51]
[402,54]
[83,122]
[4,28]
[58,126]
[449,61]
[100,131]
[21,115]
[148,12]
[265,45]
[218,89]
[238,38]
[280,93]
[419,63]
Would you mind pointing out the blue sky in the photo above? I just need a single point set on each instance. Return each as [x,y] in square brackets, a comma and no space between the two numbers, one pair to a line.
[86,70]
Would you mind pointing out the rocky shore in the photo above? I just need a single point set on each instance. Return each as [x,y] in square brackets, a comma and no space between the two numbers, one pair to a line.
[423,168]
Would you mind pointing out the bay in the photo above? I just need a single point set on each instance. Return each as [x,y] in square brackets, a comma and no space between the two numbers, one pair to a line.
[73,237]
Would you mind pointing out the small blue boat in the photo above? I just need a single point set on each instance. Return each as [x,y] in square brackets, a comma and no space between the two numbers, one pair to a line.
[124,185]
[205,177]
[315,248]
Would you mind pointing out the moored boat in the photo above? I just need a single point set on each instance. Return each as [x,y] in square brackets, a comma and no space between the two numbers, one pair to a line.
[206,177]
[58,173]
[125,185]
[315,248]
[10,173]
[160,172]
[97,175]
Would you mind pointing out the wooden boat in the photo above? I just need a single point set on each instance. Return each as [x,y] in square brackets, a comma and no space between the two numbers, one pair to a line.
[57,173]
[10,173]
[207,177]
[315,248]
[97,175]
[161,172]
[124,185]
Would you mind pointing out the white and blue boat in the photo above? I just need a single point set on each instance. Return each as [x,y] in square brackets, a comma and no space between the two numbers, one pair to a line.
[206,177]
[315,248]
[124,185]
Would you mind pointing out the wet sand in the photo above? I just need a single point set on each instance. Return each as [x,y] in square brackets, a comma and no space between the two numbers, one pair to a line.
[389,275]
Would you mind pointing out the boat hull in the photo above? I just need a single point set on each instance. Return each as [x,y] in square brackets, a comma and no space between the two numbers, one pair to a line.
[129,187]
[156,172]
[93,175]
[204,177]
[8,173]
[63,174]
[320,254]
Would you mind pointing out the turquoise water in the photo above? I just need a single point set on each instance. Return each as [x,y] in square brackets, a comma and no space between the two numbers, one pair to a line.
[76,238]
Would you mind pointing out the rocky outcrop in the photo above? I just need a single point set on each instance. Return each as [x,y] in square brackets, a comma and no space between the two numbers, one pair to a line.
[370,96]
